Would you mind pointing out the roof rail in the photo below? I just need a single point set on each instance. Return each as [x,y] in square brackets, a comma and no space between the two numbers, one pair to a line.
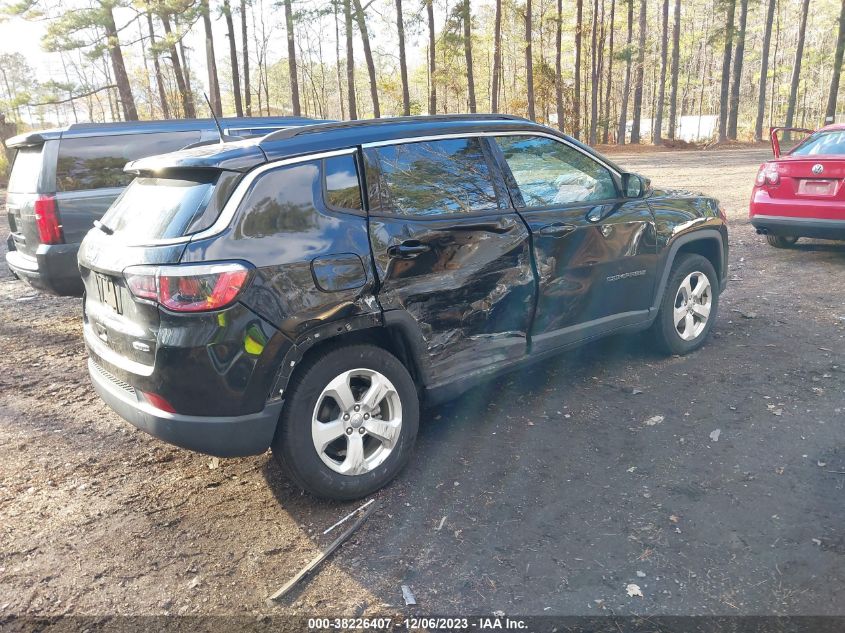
[342,125]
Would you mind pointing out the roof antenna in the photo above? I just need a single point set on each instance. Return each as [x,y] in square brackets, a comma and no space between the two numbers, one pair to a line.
[216,120]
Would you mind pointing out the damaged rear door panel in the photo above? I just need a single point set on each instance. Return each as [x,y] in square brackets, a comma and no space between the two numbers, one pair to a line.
[450,252]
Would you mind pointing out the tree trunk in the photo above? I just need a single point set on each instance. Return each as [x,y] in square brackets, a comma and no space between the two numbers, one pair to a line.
[466,16]
[529,62]
[764,69]
[726,71]
[833,93]
[497,57]
[576,110]
[739,52]
[594,74]
[657,129]
[350,61]
[247,89]
[796,66]
[211,62]
[294,76]
[432,58]
[233,58]
[127,101]
[676,63]
[558,73]
[626,89]
[403,64]
[368,57]
[606,118]
[638,76]
[162,91]
[340,96]
[187,98]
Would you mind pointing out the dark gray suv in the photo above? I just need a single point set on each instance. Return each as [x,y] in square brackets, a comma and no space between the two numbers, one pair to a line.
[64,179]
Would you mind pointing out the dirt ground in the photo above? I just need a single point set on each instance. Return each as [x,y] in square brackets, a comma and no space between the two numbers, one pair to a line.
[545,492]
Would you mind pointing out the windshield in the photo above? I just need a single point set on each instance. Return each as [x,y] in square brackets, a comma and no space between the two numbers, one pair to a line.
[832,142]
[26,169]
[160,208]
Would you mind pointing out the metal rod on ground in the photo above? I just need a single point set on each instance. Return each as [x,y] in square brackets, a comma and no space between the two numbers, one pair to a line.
[310,567]
[347,517]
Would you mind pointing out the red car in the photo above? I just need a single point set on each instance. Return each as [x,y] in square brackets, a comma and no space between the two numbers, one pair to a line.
[802,192]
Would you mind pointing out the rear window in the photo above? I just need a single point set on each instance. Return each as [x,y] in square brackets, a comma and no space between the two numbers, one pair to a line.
[26,169]
[822,143]
[97,162]
[161,208]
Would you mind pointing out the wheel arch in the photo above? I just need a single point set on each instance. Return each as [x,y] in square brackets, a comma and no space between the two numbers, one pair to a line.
[709,243]
[394,331]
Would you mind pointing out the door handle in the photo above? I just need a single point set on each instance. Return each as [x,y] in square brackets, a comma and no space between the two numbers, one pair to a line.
[502,225]
[558,229]
[408,250]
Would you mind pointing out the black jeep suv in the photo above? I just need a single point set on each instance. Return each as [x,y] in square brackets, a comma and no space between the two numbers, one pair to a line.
[307,290]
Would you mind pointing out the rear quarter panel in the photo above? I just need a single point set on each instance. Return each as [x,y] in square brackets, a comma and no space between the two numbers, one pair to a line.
[313,265]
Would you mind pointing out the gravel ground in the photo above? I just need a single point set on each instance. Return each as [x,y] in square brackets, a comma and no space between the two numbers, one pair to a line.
[545,492]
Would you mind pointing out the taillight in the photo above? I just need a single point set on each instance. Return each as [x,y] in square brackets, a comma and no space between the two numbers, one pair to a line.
[768,175]
[188,288]
[47,221]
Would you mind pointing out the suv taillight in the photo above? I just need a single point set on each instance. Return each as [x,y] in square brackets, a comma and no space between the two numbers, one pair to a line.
[188,288]
[47,221]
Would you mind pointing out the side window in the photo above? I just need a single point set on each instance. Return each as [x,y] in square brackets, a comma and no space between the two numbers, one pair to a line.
[97,162]
[282,201]
[342,187]
[433,178]
[550,173]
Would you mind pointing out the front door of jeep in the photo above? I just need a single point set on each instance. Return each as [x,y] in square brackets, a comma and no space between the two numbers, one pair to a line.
[595,249]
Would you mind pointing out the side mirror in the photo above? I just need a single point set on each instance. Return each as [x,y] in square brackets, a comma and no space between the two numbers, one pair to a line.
[634,185]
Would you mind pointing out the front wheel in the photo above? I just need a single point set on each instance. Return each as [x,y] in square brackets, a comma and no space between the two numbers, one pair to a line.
[689,305]
[349,422]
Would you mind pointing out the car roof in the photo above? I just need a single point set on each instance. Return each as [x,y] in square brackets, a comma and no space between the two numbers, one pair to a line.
[832,127]
[323,137]
[83,130]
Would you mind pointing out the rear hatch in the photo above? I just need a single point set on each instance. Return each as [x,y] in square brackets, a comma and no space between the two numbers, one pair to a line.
[27,183]
[151,212]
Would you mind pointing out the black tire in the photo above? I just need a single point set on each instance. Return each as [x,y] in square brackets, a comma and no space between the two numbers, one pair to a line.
[666,336]
[293,446]
[781,241]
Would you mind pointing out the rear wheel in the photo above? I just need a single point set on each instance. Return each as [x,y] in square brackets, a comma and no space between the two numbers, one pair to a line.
[349,422]
[781,241]
[689,305]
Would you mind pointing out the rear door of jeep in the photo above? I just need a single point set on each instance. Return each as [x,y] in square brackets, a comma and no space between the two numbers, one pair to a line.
[450,251]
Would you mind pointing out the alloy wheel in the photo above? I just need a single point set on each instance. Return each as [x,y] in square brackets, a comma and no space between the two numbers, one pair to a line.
[693,302]
[357,421]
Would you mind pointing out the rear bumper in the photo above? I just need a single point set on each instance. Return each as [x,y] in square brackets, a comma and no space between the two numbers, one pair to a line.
[785,226]
[53,269]
[225,436]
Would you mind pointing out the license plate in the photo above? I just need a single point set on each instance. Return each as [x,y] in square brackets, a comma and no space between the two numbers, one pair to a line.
[816,187]
[108,292]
